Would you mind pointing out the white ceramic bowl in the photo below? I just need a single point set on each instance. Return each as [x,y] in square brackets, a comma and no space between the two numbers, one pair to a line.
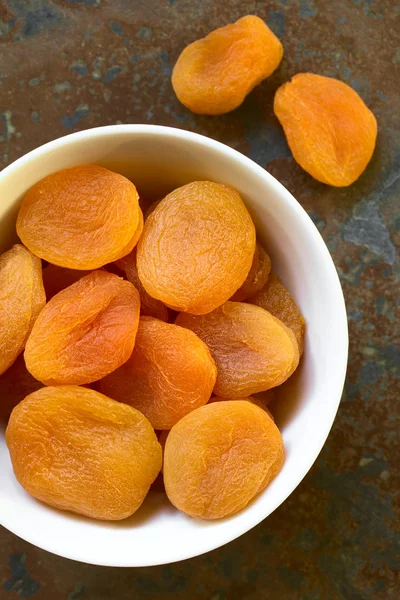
[159,159]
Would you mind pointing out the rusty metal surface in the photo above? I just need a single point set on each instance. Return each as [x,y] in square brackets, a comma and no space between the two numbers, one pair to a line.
[67,65]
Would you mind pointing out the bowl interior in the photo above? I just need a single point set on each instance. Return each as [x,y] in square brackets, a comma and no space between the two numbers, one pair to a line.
[159,159]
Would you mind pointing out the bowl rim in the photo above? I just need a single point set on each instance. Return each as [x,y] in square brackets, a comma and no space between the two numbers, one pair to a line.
[320,437]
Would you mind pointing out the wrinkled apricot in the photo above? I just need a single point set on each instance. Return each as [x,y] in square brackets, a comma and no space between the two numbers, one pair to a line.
[77,450]
[219,457]
[85,331]
[253,350]
[169,373]
[57,278]
[276,299]
[329,129]
[213,75]
[22,297]
[257,401]
[257,277]
[197,247]
[149,307]
[15,384]
[80,218]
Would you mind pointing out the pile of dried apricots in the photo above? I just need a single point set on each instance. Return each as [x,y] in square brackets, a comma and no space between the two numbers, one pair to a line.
[139,345]
[137,329]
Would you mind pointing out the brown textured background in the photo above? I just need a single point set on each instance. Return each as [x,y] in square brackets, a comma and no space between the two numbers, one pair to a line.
[67,65]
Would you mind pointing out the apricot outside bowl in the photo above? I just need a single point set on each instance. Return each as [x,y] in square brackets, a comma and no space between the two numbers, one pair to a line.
[158,159]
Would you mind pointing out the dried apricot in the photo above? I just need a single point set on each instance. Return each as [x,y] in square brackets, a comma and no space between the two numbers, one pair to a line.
[85,331]
[169,373]
[197,247]
[22,297]
[253,350]
[15,384]
[276,299]
[77,450]
[219,457]
[80,218]
[213,75]
[257,277]
[149,306]
[329,129]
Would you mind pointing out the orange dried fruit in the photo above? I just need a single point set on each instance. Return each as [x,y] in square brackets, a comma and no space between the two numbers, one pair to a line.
[329,129]
[213,75]
[219,457]
[22,297]
[85,331]
[80,218]
[169,373]
[15,384]
[77,450]
[149,307]
[276,299]
[253,350]
[197,247]
[257,277]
